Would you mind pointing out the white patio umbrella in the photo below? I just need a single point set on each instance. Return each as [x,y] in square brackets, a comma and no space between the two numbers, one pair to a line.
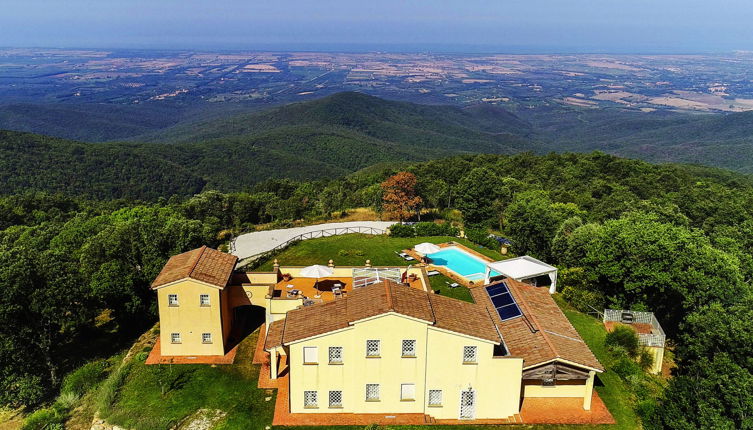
[426,248]
[317,271]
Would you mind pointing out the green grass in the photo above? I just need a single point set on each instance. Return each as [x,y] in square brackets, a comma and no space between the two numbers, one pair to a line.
[355,249]
[439,283]
[140,403]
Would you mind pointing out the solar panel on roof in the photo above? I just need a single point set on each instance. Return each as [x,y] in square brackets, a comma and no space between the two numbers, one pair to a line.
[496,289]
[503,301]
[509,311]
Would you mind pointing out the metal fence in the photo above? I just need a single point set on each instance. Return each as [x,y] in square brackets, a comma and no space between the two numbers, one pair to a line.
[337,231]
[657,338]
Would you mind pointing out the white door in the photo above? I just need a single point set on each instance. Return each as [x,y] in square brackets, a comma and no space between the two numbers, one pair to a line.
[467,404]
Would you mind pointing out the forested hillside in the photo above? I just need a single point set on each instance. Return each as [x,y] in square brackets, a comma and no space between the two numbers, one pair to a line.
[324,138]
[625,233]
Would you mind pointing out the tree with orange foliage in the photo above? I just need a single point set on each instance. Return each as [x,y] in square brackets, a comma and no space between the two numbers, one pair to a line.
[399,196]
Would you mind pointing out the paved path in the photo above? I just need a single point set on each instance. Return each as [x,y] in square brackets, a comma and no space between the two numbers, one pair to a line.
[250,244]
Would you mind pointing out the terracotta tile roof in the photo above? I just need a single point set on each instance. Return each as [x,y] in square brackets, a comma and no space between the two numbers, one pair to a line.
[376,299]
[203,264]
[274,334]
[543,333]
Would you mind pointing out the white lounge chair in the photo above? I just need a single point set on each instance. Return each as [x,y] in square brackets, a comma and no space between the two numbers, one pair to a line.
[433,272]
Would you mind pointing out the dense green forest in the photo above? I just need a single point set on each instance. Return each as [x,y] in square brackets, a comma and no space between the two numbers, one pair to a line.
[673,239]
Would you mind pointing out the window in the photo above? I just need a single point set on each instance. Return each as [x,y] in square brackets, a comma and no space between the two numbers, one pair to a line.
[409,348]
[203,299]
[172,300]
[206,338]
[175,337]
[310,355]
[335,355]
[335,399]
[435,397]
[407,392]
[309,399]
[372,392]
[469,354]
[372,348]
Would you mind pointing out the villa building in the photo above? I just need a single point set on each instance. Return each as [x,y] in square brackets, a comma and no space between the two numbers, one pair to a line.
[378,340]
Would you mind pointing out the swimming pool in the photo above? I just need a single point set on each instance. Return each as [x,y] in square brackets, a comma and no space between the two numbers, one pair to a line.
[464,264]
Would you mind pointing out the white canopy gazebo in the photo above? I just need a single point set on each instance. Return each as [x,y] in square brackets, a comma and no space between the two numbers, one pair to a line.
[522,269]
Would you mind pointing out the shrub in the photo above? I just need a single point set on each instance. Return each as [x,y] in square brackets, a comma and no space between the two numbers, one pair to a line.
[342,253]
[84,378]
[626,367]
[66,401]
[141,356]
[44,419]
[434,229]
[624,337]
[401,230]
[481,237]
[24,390]
[645,359]
[582,299]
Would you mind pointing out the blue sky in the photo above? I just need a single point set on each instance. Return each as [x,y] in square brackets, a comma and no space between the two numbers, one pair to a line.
[438,25]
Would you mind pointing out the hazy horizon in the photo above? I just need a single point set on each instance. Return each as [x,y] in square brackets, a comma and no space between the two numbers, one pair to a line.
[473,26]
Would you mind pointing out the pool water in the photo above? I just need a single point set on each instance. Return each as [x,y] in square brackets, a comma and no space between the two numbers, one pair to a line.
[461,262]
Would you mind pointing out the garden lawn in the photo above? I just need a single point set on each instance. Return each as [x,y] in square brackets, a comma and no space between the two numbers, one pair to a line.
[439,283]
[140,404]
[355,249]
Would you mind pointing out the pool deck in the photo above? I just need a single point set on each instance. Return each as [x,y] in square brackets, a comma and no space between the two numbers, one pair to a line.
[444,270]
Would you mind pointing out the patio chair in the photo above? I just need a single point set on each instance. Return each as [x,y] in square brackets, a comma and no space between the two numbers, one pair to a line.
[405,256]
[452,284]
[432,272]
[337,291]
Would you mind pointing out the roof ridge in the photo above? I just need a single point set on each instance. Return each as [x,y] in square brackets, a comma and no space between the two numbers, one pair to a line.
[431,307]
[196,263]
[388,290]
[538,324]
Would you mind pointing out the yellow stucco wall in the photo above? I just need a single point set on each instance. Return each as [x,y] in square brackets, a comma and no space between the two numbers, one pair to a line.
[575,388]
[190,319]
[437,365]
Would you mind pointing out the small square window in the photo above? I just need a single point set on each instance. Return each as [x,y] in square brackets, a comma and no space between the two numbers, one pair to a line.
[335,354]
[372,392]
[409,348]
[175,337]
[310,355]
[407,392]
[172,300]
[372,348]
[335,399]
[309,399]
[435,397]
[203,299]
[470,354]
[206,338]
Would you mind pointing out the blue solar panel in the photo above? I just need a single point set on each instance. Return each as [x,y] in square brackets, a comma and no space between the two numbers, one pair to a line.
[502,300]
[509,311]
[496,289]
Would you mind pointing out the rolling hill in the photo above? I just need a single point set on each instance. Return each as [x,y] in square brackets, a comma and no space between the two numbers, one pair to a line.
[323,138]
